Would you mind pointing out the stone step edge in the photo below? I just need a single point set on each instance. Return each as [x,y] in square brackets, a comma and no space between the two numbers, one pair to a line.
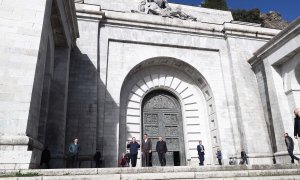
[207,175]
[118,177]
[94,171]
[290,177]
[190,175]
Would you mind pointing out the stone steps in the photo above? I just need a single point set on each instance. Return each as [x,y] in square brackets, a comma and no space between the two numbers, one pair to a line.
[210,172]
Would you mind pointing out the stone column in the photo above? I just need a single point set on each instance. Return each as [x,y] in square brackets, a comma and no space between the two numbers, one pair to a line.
[56,123]
[252,123]
[281,112]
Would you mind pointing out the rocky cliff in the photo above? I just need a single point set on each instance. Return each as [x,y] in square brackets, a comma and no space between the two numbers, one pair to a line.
[273,20]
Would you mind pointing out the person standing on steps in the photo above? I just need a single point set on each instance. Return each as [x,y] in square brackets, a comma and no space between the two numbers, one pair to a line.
[290,147]
[133,147]
[297,123]
[146,149]
[45,159]
[244,157]
[219,156]
[201,149]
[122,162]
[127,156]
[97,158]
[74,150]
[161,149]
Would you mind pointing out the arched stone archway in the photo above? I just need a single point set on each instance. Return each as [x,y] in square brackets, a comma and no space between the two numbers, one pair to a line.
[194,96]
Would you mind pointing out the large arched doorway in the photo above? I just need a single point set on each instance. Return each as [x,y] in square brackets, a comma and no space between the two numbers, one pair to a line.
[161,116]
[188,89]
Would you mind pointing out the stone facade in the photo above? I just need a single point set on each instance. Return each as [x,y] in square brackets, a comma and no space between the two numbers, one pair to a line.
[276,66]
[92,87]
[36,40]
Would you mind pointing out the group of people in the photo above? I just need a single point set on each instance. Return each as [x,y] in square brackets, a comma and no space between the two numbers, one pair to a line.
[201,154]
[146,147]
[161,149]
[289,141]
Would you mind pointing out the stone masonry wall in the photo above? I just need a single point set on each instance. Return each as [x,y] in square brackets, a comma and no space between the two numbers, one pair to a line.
[249,107]
[22,24]
[82,103]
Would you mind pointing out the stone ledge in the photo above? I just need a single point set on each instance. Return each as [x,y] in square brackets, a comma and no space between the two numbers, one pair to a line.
[9,140]
[179,175]
[178,169]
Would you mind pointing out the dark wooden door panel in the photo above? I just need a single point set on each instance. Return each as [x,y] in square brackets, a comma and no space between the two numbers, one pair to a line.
[162,117]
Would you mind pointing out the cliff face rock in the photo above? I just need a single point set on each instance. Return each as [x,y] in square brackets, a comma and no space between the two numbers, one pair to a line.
[273,20]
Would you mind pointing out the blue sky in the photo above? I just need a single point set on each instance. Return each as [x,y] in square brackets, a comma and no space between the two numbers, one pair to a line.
[290,9]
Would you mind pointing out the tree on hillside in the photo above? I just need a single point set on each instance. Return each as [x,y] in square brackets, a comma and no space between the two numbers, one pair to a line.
[215,4]
[252,16]
[269,20]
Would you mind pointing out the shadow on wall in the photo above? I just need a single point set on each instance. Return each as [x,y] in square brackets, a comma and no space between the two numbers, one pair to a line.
[87,111]
[297,73]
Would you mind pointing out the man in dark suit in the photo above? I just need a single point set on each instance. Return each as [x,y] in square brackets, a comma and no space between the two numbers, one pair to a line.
[290,147]
[146,149]
[297,123]
[200,149]
[161,149]
[134,147]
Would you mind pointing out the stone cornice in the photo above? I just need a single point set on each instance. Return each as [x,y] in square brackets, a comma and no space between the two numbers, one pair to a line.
[278,41]
[139,20]
[161,23]
[87,11]
[248,30]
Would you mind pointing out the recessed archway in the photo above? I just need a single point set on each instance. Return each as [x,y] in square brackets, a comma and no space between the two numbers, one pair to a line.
[194,96]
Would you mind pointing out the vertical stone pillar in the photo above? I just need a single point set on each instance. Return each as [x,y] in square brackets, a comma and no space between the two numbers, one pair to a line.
[252,123]
[46,93]
[56,122]
[281,112]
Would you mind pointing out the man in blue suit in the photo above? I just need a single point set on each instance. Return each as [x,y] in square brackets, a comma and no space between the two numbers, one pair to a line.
[200,149]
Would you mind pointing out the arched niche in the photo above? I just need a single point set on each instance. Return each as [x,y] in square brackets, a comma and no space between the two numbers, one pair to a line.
[188,85]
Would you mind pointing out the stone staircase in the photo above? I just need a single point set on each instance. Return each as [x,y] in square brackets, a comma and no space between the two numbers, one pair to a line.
[261,172]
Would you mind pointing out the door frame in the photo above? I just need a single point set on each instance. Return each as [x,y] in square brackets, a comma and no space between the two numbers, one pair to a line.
[179,112]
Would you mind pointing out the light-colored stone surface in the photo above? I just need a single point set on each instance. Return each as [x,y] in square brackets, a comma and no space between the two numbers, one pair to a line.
[54,88]
[276,71]
[202,14]
[132,44]
[212,172]
[28,41]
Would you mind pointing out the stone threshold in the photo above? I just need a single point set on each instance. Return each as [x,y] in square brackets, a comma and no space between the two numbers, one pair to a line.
[209,170]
